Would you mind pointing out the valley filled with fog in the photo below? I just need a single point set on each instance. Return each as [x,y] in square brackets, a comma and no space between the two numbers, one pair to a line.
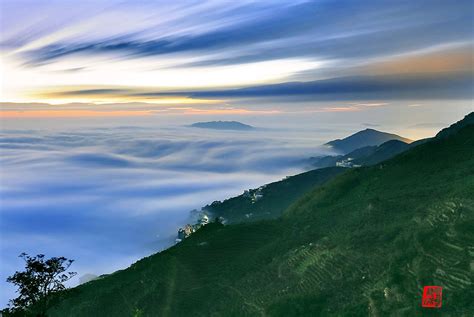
[107,196]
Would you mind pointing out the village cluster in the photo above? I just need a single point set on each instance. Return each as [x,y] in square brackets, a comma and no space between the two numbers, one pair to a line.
[190,229]
[347,163]
[253,194]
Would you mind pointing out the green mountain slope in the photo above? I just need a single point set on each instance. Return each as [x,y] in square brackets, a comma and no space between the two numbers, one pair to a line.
[365,243]
[367,155]
[269,201]
[384,152]
[454,128]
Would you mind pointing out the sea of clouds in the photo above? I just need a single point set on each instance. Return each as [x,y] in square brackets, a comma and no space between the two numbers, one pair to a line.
[107,196]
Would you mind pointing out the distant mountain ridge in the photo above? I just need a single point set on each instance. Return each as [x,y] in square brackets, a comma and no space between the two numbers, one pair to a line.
[367,155]
[370,155]
[367,137]
[222,125]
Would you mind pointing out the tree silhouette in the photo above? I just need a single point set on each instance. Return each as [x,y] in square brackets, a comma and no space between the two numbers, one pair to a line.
[37,283]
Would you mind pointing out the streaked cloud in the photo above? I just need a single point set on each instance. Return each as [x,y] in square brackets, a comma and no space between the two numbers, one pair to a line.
[430,125]
[371,125]
[215,45]
[458,59]
[374,104]
[70,113]
[123,109]
[411,86]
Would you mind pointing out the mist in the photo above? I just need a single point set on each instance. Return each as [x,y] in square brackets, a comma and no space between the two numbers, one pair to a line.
[107,196]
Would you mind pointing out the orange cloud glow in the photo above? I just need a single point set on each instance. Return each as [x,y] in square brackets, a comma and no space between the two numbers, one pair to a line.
[6,114]
[12,110]
[434,62]
[60,97]
[341,109]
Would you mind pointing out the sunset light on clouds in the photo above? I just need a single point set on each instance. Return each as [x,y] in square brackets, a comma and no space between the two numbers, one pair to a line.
[169,53]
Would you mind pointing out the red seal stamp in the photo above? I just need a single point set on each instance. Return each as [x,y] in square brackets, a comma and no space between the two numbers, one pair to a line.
[432,296]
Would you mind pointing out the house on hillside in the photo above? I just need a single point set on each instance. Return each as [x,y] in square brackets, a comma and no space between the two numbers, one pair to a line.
[188,229]
[204,220]
[256,196]
[347,163]
[185,232]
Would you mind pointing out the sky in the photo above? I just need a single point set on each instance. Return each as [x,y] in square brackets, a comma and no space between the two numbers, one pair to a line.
[97,161]
[203,56]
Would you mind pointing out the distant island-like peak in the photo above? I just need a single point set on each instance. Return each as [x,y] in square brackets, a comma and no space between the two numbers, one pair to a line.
[222,125]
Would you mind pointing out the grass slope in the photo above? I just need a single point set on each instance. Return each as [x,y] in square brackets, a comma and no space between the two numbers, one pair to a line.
[383,152]
[363,244]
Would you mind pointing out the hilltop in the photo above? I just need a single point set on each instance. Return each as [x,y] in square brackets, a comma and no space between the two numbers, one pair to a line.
[367,137]
[222,125]
[363,243]
[367,155]
[454,128]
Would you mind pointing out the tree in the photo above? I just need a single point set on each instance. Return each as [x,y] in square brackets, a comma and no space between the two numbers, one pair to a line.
[37,284]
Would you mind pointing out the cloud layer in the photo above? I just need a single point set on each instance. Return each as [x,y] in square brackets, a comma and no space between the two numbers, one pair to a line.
[108,196]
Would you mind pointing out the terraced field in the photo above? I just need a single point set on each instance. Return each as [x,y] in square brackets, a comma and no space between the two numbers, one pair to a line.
[448,247]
